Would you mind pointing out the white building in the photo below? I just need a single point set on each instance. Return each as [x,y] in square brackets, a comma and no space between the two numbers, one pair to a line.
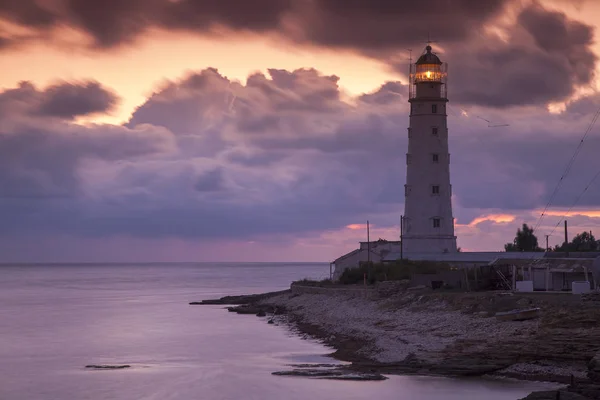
[428,220]
[428,227]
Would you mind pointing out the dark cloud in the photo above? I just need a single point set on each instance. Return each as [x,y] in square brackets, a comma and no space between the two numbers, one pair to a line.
[67,100]
[383,24]
[64,100]
[543,57]
[5,43]
[544,60]
[200,15]
[351,23]
[111,23]
[27,12]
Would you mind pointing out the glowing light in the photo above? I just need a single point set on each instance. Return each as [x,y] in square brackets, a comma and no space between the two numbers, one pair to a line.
[428,74]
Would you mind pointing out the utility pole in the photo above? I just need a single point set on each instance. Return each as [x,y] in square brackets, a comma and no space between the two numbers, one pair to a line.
[401,237]
[547,248]
[368,244]
[566,240]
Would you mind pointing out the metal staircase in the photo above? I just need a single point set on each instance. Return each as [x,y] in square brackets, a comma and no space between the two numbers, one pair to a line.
[504,280]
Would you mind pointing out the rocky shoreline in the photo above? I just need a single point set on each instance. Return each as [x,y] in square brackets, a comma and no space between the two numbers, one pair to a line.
[396,330]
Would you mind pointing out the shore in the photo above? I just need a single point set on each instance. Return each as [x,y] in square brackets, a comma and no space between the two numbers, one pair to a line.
[392,329]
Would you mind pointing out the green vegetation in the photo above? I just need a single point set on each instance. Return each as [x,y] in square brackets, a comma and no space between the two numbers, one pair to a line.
[525,240]
[396,271]
[312,282]
[584,241]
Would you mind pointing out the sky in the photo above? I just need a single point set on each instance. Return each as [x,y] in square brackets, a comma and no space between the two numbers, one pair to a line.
[272,130]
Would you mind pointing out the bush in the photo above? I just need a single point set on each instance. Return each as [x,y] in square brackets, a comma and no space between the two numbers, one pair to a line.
[397,271]
[312,282]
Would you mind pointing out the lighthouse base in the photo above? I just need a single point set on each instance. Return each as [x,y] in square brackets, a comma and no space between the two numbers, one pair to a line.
[429,244]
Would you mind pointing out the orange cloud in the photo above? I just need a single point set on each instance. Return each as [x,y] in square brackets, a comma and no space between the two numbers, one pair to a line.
[584,213]
[356,227]
[496,218]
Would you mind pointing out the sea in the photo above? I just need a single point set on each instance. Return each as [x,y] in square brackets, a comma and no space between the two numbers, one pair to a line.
[56,319]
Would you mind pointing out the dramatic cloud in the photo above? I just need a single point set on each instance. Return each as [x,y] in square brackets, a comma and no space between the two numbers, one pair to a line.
[40,150]
[111,23]
[27,12]
[282,155]
[392,25]
[70,100]
[64,100]
[544,59]
[537,55]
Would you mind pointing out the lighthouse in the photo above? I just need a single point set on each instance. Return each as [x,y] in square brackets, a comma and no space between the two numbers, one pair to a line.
[428,224]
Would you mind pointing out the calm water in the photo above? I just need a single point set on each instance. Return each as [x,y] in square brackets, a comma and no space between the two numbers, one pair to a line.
[55,319]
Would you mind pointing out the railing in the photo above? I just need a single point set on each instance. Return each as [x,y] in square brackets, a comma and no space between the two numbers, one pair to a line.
[428,73]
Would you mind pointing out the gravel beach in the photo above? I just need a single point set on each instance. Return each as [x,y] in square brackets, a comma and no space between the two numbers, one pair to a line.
[395,330]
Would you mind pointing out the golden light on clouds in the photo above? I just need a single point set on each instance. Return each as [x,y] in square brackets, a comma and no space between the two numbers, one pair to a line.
[134,72]
[356,227]
[496,218]
[584,213]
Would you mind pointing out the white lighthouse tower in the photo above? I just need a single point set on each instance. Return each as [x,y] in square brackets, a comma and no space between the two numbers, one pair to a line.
[428,221]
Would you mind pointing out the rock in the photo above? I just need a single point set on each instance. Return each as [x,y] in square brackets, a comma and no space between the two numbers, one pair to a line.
[390,288]
[337,374]
[357,377]
[239,300]
[94,366]
[594,368]
[261,313]
[245,309]
[554,395]
[314,365]
[591,391]
[524,302]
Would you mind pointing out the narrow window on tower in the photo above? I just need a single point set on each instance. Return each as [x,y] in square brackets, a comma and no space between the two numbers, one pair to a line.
[434,131]
[434,108]
[409,132]
[437,222]
[406,190]
[408,158]
[435,158]
[435,189]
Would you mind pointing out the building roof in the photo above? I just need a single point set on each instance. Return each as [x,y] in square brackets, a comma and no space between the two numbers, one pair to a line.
[464,257]
[428,57]
[546,262]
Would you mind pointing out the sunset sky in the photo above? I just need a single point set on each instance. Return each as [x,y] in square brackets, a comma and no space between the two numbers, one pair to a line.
[272,130]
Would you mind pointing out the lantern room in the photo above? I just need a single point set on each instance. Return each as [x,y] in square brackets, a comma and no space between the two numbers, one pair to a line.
[428,76]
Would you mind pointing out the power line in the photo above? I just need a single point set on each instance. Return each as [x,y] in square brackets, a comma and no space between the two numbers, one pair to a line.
[568,168]
[590,183]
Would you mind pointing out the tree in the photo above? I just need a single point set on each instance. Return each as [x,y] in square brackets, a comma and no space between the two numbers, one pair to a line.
[583,241]
[525,240]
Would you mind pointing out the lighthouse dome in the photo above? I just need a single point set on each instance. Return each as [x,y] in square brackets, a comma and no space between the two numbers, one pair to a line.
[428,58]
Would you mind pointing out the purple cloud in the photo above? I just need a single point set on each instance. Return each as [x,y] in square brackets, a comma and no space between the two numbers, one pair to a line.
[187,166]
